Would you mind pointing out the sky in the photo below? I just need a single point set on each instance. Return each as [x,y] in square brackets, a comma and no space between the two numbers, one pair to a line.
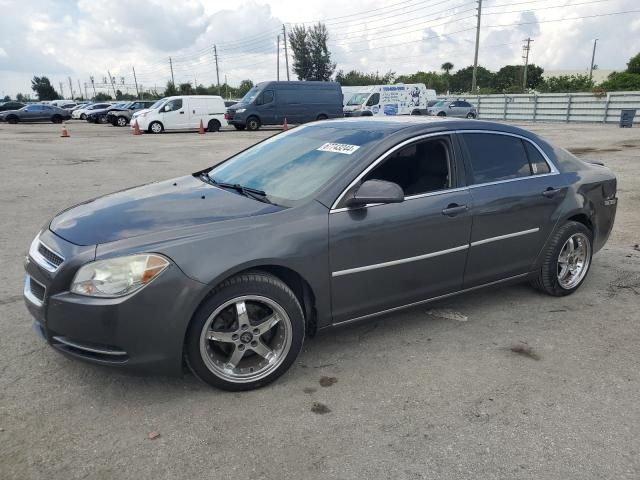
[79,39]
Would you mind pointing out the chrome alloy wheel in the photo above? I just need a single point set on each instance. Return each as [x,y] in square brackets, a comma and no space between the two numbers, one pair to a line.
[573,261]
[245,339]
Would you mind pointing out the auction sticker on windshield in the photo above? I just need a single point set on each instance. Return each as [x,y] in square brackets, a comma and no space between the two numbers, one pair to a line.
[339,148]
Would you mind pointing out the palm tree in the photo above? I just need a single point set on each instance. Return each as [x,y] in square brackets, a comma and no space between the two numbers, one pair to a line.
[446,66]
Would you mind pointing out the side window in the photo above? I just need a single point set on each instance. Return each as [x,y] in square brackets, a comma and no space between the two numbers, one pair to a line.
[537,161]
[173,105]
[267,96]
[373,100]
[421,167]
[496,157]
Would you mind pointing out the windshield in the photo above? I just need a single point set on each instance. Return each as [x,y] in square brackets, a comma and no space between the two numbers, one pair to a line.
[358,99]
[251,94]
[294,165]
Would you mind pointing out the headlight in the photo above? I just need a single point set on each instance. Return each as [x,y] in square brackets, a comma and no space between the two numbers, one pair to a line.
[117,276]
[241,110]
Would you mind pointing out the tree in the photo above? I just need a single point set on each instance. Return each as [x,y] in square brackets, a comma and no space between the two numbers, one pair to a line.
[355,78]
[311,56]
[245,86]
[509,78]
[446,67]
[6,98]
[634,64]
[23,98]
[171,89]
[461,80]
[566,83]
[439,83]
[185,89]
[43,88]
[102,97]
[618,81]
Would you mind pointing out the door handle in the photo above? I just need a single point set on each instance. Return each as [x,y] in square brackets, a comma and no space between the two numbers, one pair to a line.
[454,209]
[181,113]
[550,192]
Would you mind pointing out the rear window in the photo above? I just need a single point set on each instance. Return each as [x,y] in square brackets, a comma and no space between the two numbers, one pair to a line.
[496,157]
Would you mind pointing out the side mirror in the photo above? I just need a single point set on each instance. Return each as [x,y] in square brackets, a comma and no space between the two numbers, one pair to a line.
[376,191]
[451,105]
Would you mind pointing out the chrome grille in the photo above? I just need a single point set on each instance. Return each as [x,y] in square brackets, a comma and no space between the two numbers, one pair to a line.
[50,256]
[37,289]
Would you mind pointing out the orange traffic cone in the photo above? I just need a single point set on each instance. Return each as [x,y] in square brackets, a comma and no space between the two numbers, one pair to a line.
[285,125]
[65,133]
[201,131]
[136,128]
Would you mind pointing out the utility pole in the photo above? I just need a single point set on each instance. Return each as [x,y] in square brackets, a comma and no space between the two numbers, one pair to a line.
[135,80]
[86,94]
[278,60]
[286,55]
[215,54]
[112,81]
[93,84]
[79,88]
[475,57]
[171,67]
[226,85]
[525,55]
[61,89]
[593,58]
[70,87]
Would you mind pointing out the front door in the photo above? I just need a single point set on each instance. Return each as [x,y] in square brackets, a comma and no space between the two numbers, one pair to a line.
[516,195]
[386,256]
[174,116]
[266,108]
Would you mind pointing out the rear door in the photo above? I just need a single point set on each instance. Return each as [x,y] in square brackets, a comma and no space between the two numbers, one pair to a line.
[386,256]
[516,194]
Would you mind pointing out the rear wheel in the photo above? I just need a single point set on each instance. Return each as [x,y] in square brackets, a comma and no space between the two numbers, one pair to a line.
[442,114]
[121,122]
[56,119]
[102,119]
[213,126]
[322,116]
[253,124]
[566,261]
[156,127]
[416,112]
[246,334]
[470,115]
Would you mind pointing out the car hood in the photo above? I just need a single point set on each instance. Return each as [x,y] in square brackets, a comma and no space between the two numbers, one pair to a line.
[168,205]
[236,106]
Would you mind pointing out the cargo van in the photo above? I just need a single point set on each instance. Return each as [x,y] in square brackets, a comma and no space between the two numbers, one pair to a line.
[183,113]
[398,99]
[348,92]
[269,103]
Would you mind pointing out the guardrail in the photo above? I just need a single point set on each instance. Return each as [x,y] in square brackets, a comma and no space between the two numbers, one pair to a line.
[555,107]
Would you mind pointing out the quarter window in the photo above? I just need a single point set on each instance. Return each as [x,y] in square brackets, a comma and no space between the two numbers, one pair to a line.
[537,161]
[496,157]
[421,167]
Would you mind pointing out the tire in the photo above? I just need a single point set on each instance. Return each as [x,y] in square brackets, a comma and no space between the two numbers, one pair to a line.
[121,122]
[213,126]
[416,112]
[470,115]
[442,114]
[156,127]
[56,119]
[258,294]
[549,276]
[253,124]
[12,120]
[239,127]
[83,116]
[321,117]
[102,119]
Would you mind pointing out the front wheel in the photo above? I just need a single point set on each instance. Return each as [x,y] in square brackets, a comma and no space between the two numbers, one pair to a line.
[470,115]
[56,119]
[121,122]
[156,127]
[102,119]
[213,126]
[321,117]
[253,124]
[246,334]
[83,116]
[566,261]
[12,120]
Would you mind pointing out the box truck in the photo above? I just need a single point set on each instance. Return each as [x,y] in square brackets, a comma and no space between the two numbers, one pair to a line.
[398,99]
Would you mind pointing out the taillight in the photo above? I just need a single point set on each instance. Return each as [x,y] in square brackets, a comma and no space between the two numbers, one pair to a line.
[226,115]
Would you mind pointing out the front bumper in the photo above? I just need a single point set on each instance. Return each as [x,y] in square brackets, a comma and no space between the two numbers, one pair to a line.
[143,331]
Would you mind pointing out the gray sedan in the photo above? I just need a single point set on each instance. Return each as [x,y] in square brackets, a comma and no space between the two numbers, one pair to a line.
[228,270]
[457,108]
[36,113]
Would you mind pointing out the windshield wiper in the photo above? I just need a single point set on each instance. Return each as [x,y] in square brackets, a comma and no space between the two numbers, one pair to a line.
[250,192]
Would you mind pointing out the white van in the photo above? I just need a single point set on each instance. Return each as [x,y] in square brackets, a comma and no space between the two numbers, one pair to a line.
[398,99]
[348,92]
[183,113]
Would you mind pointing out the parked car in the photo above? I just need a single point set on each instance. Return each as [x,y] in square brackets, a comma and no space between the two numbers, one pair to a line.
[269,103]
[4,106]
[320,226]
[99,115]
[384,100]
[120,117]
[457,108]
[81,113]
[183,113]
[36,113]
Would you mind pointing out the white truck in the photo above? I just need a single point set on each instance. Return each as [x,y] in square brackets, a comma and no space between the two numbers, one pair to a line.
[398,99]
[182,112]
